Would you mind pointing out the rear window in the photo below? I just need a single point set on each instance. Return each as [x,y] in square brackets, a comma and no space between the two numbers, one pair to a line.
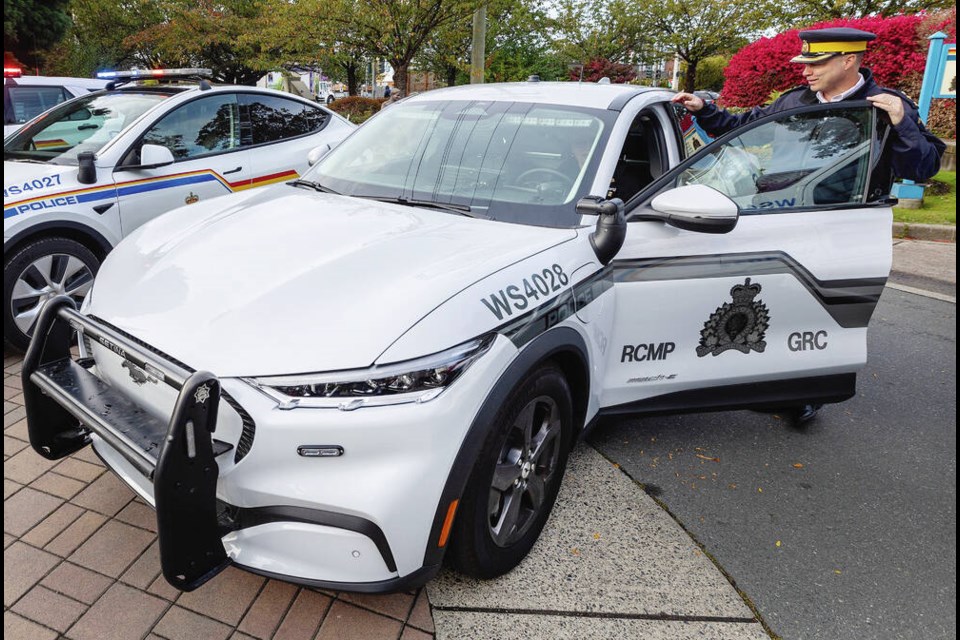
[273,118]
[26,103]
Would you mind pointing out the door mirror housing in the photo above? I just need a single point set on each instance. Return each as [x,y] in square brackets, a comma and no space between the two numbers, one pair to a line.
[153,156]
[696,207]
[317,153]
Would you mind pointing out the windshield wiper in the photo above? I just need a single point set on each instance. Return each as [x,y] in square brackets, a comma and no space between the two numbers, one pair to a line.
[316,186]
[462,209]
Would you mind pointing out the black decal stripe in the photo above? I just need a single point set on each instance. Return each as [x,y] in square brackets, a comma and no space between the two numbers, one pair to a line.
[849,301]
[768,395]
[525,328]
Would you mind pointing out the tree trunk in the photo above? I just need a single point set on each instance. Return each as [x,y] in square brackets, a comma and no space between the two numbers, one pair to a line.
[351,69]
[400,68]
[690,82]
[451,75]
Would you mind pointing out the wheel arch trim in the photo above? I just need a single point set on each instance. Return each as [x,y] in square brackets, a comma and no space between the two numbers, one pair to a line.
[84,234]
[568,349]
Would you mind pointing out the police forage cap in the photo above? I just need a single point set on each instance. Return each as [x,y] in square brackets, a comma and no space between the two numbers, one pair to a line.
[820,45]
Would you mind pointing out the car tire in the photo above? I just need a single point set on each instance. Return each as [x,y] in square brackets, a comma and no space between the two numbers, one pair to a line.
[37,272]
[515,481]
[330,99]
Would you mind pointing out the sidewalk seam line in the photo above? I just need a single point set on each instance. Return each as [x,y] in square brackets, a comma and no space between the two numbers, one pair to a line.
[598,614]
[922,292]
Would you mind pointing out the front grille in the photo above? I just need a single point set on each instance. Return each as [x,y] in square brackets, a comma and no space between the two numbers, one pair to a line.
[249,426]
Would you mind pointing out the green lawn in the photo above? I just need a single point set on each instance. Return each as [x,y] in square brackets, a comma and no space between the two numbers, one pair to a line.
[937,209]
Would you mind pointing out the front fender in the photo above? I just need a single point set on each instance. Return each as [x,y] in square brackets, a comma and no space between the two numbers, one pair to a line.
[563,344]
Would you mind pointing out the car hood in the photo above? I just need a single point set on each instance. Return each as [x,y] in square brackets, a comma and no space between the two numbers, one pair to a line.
[292,282]
[29,180]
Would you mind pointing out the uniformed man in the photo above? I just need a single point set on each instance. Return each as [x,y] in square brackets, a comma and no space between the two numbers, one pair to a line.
[831,61]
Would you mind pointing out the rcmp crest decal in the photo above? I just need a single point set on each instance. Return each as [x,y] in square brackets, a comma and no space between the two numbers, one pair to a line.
[741,324]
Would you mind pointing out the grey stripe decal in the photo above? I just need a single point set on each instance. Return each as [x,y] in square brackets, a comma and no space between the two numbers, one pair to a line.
[525,328]
[850,302]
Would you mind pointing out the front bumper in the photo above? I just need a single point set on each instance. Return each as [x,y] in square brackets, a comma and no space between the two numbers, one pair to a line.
[360,521]
[64,403]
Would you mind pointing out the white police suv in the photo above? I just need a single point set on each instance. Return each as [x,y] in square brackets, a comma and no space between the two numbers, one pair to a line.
[88,172]
[339,380]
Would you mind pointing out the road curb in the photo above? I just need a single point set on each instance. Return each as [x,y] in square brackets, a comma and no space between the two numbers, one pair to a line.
[917,231]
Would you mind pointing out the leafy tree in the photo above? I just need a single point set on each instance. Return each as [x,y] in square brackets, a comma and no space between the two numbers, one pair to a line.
[698,29]
[710,73]
[97,38]
[518,45]
[31,26]
[302,33]
[204,33]
[808,11]
[600,30]
[395,30]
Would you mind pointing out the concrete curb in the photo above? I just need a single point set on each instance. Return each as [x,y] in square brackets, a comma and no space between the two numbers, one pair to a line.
[916,231]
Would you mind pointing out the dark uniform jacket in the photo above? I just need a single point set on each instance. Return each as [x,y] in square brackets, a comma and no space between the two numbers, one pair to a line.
[911,152]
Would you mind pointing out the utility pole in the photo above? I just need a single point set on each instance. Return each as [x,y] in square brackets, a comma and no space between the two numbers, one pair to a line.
[477,51]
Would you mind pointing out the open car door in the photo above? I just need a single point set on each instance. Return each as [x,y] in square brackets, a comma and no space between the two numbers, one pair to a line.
[775,312]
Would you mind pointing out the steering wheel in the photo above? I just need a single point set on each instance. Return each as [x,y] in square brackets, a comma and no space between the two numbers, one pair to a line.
[525,177]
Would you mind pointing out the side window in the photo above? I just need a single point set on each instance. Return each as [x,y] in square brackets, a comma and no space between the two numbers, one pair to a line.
[642,159]
[204,126]
[27,102]
[273,118]
[801,160]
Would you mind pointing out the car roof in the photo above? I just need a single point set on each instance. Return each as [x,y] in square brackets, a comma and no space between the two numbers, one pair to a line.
[67,81]
[583,94]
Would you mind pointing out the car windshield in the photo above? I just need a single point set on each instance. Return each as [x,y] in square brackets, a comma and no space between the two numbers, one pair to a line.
[83,124]
[510,161]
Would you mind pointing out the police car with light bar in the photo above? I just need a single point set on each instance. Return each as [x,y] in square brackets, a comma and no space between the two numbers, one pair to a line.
[83,175]
[343,380]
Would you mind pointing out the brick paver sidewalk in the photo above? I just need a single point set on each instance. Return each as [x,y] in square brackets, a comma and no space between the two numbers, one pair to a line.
[81,561]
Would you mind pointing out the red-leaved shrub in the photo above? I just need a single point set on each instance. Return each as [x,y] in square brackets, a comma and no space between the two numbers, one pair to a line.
[898,53]
[598,68]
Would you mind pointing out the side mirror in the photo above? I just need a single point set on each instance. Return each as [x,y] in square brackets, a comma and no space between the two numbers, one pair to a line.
[611,229]
[153,156]
[317,153]
[697,207]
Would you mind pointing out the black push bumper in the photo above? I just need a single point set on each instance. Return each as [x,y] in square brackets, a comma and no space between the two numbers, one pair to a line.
[65,402]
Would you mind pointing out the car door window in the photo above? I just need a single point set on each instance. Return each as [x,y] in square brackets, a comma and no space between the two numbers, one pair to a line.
[642,159]
[798,160]
[28,102]
[274,118]
[198,128]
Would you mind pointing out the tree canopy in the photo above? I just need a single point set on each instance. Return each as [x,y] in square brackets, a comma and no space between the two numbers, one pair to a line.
[32,26]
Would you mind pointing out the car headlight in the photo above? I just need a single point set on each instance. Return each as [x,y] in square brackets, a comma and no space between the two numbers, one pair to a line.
[418,380]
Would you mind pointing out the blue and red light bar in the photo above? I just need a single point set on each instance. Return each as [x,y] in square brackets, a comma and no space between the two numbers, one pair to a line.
[12,72]
[154,74]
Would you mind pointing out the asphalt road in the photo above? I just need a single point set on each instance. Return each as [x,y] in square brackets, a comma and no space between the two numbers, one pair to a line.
[846,528]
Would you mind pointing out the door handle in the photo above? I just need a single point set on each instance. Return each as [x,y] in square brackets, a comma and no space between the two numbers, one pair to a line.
[226,173]
[88,126]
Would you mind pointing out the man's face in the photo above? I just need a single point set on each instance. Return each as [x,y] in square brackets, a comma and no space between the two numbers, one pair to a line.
[830,76]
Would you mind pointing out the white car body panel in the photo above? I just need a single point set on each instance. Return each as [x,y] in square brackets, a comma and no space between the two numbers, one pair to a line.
[429,254]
